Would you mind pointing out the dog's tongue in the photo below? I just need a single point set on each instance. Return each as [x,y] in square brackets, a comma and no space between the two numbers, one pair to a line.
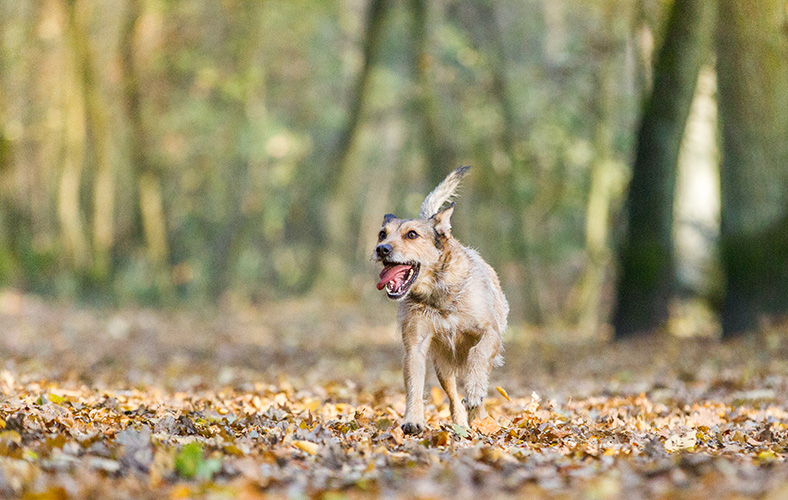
[394,272]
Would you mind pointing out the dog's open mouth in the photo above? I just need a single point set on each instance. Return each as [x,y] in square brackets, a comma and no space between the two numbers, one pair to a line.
[397,278]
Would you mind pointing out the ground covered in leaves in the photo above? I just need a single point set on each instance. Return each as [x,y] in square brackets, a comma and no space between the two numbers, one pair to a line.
[304,400]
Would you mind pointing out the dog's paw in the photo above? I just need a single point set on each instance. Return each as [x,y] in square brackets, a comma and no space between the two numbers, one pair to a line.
[472,403]
[412,428]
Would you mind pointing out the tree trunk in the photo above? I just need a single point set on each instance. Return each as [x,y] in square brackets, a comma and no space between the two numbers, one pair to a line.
[333,195]
[104,183]
[647,269]
[584,304]
[441,157]
[753,101]
[480,19]
[8,243]
[245,23]
[75,241]
[374,35]
[148,178]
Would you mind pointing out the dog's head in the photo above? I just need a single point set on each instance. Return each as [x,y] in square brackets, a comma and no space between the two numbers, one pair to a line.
[410,250]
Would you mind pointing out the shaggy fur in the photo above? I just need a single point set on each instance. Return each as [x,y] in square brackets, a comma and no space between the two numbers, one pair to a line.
[452,311]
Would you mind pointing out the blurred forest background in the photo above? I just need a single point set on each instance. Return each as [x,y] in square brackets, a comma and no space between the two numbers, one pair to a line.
[188,152]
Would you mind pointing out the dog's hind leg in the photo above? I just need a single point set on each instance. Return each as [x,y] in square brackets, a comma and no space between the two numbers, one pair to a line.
[449,383]
[477,373]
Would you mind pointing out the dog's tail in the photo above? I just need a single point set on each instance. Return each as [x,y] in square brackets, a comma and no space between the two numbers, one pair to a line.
[443,193]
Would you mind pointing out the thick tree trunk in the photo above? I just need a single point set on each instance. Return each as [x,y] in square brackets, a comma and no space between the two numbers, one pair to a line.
[753,101]
[647,269]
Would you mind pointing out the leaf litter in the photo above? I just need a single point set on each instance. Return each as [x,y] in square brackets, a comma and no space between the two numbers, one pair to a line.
[181,407]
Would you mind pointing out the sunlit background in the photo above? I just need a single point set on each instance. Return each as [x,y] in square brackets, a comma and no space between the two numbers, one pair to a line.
[165,153]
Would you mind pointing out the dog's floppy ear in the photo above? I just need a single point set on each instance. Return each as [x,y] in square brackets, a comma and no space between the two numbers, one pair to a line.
[442,221]
[388,218]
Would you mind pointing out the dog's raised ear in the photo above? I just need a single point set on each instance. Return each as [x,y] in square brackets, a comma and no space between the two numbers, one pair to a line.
[388,218]
[442,221]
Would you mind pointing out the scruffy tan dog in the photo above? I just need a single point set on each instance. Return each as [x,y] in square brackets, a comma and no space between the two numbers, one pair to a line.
[451,307]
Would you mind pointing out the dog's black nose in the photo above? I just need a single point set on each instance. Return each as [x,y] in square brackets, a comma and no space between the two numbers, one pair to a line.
[383,250]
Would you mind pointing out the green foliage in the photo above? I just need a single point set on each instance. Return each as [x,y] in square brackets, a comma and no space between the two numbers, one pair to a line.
[239,110]
[191,464]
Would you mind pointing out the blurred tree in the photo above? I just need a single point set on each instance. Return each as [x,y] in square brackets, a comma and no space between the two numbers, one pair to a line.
[147,177]
[25,206]
[440,154]
[371,48]
[647,270]
[75,239]
[242,26]
[7,243]
[8,224]
[321,211]
[480,19]
[5,143]
[248,149]
[98,128]
[584,305]
[752,74]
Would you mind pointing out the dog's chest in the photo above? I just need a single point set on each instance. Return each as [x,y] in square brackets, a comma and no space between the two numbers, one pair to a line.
[443,326]
[449,330]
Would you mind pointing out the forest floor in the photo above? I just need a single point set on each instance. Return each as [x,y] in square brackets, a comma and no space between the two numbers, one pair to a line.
[304,400]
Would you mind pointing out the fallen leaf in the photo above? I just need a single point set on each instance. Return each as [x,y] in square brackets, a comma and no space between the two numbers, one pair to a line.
[383,424]
[398,435]
[441,438]
[190,463]
[767,456]
[685,441]
[10,436]
[307,446]
[460,431]
[489,454]
[503,393]
[486,426]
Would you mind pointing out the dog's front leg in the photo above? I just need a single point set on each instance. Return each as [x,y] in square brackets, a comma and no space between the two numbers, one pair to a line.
[417,338]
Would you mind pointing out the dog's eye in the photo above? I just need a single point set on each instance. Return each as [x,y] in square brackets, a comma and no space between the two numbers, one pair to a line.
[412,235]
[381,235]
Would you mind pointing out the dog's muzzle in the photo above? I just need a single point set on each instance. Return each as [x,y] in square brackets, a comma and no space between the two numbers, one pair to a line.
[383,251]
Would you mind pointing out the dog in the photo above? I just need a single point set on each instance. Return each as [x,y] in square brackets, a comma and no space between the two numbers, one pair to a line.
[451,306]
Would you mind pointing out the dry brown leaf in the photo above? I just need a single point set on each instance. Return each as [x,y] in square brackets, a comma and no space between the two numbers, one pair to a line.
[486,426]
[259,436]
[441,438]
[398,434]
